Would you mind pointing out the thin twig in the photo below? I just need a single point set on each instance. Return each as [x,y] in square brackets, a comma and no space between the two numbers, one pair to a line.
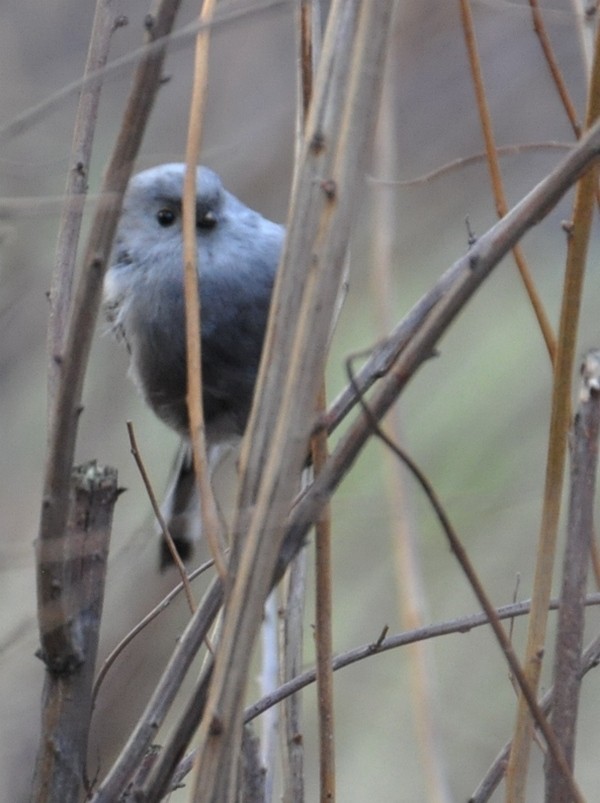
[181,38]
[557,76]
[496,175]
[455,626]
[458,165]
[323,625]
[159,516]
[309,41]
[142,624]
[293,588]
[210,517]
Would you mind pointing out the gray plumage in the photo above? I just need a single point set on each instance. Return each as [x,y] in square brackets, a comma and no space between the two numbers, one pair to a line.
[238,253]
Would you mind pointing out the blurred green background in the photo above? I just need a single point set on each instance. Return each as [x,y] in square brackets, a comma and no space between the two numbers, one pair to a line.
[475,418]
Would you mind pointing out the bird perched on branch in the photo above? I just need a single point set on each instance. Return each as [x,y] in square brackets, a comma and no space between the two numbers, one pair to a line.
[238,254]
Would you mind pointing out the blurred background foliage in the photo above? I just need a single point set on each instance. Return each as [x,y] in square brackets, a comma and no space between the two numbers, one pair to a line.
[475,418]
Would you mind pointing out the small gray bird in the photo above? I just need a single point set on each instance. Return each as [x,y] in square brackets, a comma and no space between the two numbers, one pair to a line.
[238,254]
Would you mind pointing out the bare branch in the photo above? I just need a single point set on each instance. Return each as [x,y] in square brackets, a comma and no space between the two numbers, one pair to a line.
[72,361]
[159,516]
[462,625]
[496,175]
[105,23]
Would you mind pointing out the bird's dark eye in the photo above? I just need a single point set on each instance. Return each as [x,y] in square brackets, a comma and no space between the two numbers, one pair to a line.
[166,217]
[208,220]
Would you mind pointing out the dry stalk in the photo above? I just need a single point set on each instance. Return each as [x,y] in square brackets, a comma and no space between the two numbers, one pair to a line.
[210,516]
[72,360]
[72,615]
[332,162]
[159,516]
[496,175]
[557,443]
[555,71]
[104,24]
[571,617]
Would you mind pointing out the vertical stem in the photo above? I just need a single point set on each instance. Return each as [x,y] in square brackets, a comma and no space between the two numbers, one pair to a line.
[210,516]
[571,617]
[61,289]
[557,444]
[74,610]
[496,176]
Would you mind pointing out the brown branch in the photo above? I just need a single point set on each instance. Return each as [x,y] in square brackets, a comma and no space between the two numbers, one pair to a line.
[557,76]
[323,625]
[496,175]
[292,642]
[309,46]
[571,618]
[71,615]
[193,315]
